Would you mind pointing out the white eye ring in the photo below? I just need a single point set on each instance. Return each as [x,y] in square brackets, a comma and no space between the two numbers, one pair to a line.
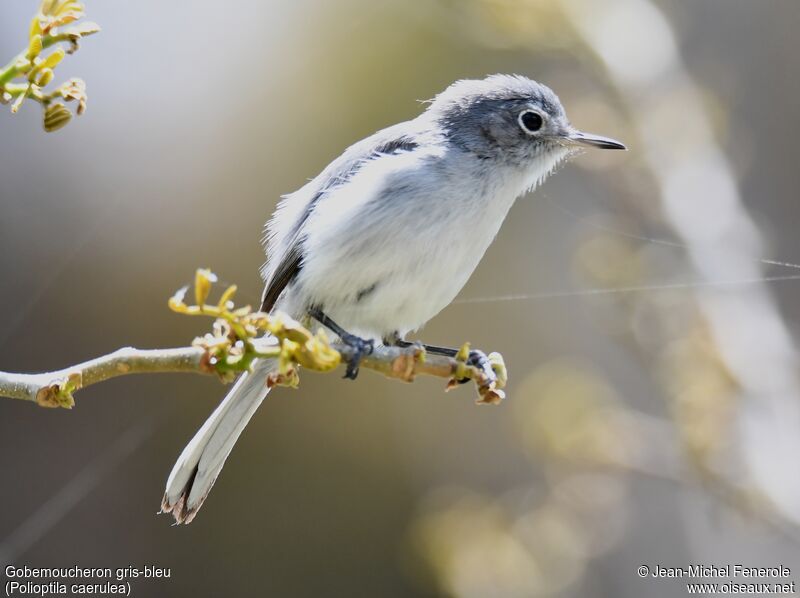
[530,121]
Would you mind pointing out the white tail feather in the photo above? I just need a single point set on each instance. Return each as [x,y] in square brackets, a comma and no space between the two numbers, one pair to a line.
[201,461]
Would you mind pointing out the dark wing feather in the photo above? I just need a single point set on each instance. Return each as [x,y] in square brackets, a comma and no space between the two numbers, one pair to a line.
[388,141]
[284,274]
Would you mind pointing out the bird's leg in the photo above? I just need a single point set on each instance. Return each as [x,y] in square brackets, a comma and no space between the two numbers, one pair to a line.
[476,358]
[360,346]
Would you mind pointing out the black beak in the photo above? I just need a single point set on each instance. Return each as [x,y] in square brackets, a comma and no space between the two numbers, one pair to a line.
[580,138]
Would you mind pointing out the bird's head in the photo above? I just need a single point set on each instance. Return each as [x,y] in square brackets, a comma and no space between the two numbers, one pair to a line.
[510,118]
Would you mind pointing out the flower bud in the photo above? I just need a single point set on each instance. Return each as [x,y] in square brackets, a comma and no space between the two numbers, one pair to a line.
[203,280]
[53,59]
[36,27]
[56,116]
[35,45]
[44,77]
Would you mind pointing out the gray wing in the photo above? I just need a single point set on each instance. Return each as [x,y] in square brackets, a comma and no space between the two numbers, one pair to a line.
[285,259]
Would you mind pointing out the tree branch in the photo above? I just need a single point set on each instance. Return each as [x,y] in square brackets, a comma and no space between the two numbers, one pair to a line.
[240,336]
[55,389]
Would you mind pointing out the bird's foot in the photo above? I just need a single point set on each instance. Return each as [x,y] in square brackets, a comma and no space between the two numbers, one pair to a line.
[361,348]
[479,360]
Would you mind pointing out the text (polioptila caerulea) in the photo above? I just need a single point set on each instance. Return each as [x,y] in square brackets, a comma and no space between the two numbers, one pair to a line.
[387,235]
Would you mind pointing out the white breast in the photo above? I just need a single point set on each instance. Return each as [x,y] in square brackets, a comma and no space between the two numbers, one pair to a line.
[391,248]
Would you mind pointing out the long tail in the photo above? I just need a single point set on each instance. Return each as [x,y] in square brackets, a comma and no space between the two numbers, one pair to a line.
[201,461]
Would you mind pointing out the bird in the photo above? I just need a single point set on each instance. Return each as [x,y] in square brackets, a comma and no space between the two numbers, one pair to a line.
[387,235]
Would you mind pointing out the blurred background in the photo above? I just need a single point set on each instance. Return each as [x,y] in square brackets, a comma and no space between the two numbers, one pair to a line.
[646,303]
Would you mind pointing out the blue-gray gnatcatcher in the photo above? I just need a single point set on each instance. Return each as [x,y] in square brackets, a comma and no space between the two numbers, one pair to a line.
[388,234]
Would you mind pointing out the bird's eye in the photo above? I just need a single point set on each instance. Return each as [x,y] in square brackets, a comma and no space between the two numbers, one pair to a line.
[530,121]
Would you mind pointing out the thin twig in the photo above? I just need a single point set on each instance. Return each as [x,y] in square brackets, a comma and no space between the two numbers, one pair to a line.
[52,389]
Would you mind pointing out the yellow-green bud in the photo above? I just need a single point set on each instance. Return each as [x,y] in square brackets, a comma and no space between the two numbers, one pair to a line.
[53,59]
[36,27]
[35,45]
[45,76]
[203,279]
[56,116]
